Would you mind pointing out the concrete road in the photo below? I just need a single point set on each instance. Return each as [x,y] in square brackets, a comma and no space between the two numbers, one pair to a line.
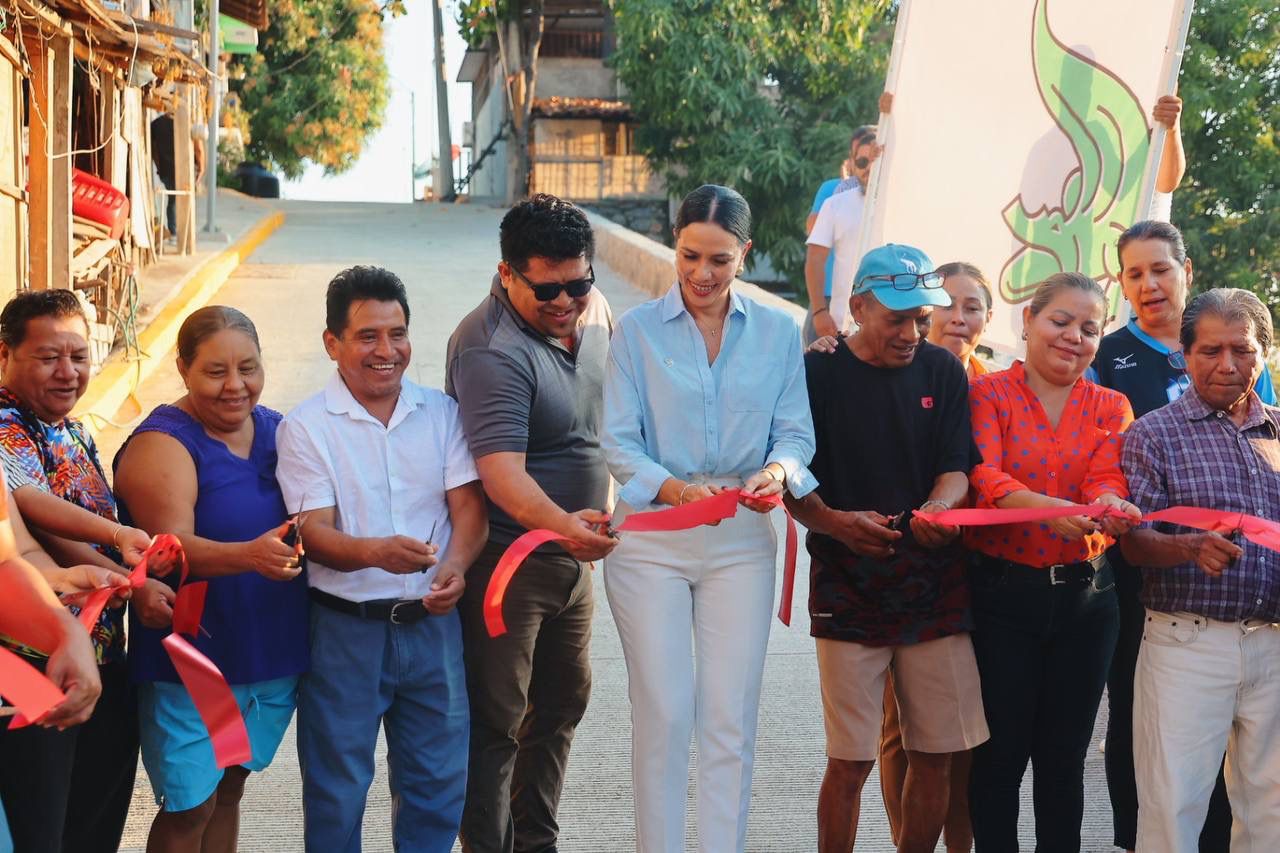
[446,256]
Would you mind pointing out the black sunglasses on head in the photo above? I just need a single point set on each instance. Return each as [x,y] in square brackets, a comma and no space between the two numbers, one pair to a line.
[544,292]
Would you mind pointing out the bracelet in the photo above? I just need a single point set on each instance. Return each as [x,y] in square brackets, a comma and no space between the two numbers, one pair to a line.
[942,504]
[767,470]
[819,311]
[687,487]
[116,533]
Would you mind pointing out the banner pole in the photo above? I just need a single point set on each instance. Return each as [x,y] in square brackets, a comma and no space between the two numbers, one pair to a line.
[883,127]
[1179,27]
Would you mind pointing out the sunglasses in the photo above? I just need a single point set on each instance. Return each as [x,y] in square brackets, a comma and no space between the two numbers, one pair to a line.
[909,280]
[543,292]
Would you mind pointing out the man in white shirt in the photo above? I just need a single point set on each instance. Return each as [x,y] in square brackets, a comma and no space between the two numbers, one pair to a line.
[835,230]
[392,514]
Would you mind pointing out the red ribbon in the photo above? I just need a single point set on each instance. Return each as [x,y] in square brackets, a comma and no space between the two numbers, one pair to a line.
[214,701]
[164,545]
[709,510]
[209,690]
[1260,531]
[29,689]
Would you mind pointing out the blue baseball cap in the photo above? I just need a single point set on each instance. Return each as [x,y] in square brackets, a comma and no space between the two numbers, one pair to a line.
[894,259]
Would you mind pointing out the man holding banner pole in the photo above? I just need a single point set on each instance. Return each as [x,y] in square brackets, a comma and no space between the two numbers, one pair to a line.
[1208,674]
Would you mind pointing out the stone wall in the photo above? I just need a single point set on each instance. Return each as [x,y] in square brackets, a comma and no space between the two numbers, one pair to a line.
[649,217]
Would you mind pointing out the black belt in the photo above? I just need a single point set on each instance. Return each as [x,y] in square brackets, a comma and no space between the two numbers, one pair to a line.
[1055,575]
[397,612]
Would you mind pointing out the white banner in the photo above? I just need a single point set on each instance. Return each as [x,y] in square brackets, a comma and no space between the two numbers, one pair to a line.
[1020,137]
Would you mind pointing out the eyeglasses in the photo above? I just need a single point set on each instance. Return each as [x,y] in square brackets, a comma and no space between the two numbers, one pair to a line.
[909,280]
[1178,362]
[545,292]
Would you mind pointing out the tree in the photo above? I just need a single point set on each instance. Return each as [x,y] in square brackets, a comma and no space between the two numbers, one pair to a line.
[1228,205]
[317,88]
[517,27]
[758,94]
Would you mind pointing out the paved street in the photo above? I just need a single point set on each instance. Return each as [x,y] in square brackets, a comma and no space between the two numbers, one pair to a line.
[446,256]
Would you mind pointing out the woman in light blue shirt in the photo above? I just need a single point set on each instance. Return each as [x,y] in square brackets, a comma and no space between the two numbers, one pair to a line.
[704,391]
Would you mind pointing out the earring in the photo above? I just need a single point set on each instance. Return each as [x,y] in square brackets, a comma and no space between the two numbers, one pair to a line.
[1024,334]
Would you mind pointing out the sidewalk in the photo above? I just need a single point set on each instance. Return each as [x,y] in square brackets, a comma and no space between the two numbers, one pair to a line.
[169,290]
[447,255]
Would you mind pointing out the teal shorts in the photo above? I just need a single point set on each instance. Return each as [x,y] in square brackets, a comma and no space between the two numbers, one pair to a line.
[176,749]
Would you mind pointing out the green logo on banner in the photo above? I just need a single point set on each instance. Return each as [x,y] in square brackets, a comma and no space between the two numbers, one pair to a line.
[1108,132]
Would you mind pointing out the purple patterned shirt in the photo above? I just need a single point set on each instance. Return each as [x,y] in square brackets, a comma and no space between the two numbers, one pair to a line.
[1189,454]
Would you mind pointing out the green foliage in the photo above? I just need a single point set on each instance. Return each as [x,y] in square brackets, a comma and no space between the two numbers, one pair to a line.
[478,19]
[757,94]
[317,88]
[1228,206]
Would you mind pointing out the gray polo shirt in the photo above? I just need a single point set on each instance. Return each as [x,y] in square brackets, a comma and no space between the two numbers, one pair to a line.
[520,391]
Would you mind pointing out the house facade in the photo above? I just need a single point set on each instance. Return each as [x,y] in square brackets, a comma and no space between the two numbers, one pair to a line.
[582,131]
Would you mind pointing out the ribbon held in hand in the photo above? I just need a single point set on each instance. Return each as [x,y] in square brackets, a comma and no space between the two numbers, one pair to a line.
[164,545]
[709,510]
[1260,531]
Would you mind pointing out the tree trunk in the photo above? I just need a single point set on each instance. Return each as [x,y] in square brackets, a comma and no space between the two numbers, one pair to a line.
[521,50]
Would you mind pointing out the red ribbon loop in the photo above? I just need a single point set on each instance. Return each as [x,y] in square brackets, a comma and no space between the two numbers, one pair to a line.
[709,510]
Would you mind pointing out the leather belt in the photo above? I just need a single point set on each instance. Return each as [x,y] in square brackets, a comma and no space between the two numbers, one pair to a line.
[1055,575]
[397,612]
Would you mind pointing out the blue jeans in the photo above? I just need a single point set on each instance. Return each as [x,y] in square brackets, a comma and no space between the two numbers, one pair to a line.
[409,678]
[1043,654]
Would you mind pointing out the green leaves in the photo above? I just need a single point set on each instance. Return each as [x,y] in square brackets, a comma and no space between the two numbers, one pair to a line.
[1228,206]
[758,94]
[318,88]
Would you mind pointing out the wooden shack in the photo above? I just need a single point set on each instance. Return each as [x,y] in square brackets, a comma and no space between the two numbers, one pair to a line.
[79,85]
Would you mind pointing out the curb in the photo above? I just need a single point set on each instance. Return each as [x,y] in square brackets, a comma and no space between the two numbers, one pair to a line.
[119,378]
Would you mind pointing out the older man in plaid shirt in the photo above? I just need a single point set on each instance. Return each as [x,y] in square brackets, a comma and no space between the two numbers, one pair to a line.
[1208,675]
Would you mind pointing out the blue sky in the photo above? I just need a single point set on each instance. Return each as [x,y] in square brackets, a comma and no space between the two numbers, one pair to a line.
[383,170]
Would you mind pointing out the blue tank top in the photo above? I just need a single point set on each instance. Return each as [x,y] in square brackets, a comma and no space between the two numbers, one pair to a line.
[256,628]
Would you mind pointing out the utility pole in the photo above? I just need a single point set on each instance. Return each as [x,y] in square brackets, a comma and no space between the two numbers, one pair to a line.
[215,98]
[413,146]
[444,190]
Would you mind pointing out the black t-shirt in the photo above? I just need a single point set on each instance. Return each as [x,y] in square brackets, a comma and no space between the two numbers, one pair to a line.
[884,436]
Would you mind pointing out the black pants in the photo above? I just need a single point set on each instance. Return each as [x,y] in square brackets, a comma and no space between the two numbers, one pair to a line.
[528,690]
[1043,653]
[69,792]
[1121,783]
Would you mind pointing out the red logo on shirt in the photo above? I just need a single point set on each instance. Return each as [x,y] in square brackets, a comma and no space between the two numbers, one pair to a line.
[926,402]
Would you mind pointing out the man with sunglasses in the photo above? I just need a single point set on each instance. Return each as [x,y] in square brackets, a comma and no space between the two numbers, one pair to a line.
[527,368]
[888,591]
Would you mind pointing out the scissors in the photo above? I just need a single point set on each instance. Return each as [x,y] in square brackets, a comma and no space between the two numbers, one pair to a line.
[293,535]
[430,536]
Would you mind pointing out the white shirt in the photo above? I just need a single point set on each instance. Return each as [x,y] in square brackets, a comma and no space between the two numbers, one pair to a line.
[383,481]
[836,228]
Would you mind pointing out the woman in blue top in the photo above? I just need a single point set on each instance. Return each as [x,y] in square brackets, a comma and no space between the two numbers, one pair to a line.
[204,469]
[704,390]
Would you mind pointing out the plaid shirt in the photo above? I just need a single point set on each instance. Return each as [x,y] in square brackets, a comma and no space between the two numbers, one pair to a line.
[1188,454]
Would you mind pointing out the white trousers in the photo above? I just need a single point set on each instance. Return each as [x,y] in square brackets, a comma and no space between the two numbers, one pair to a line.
[701,595]
[1202,687]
